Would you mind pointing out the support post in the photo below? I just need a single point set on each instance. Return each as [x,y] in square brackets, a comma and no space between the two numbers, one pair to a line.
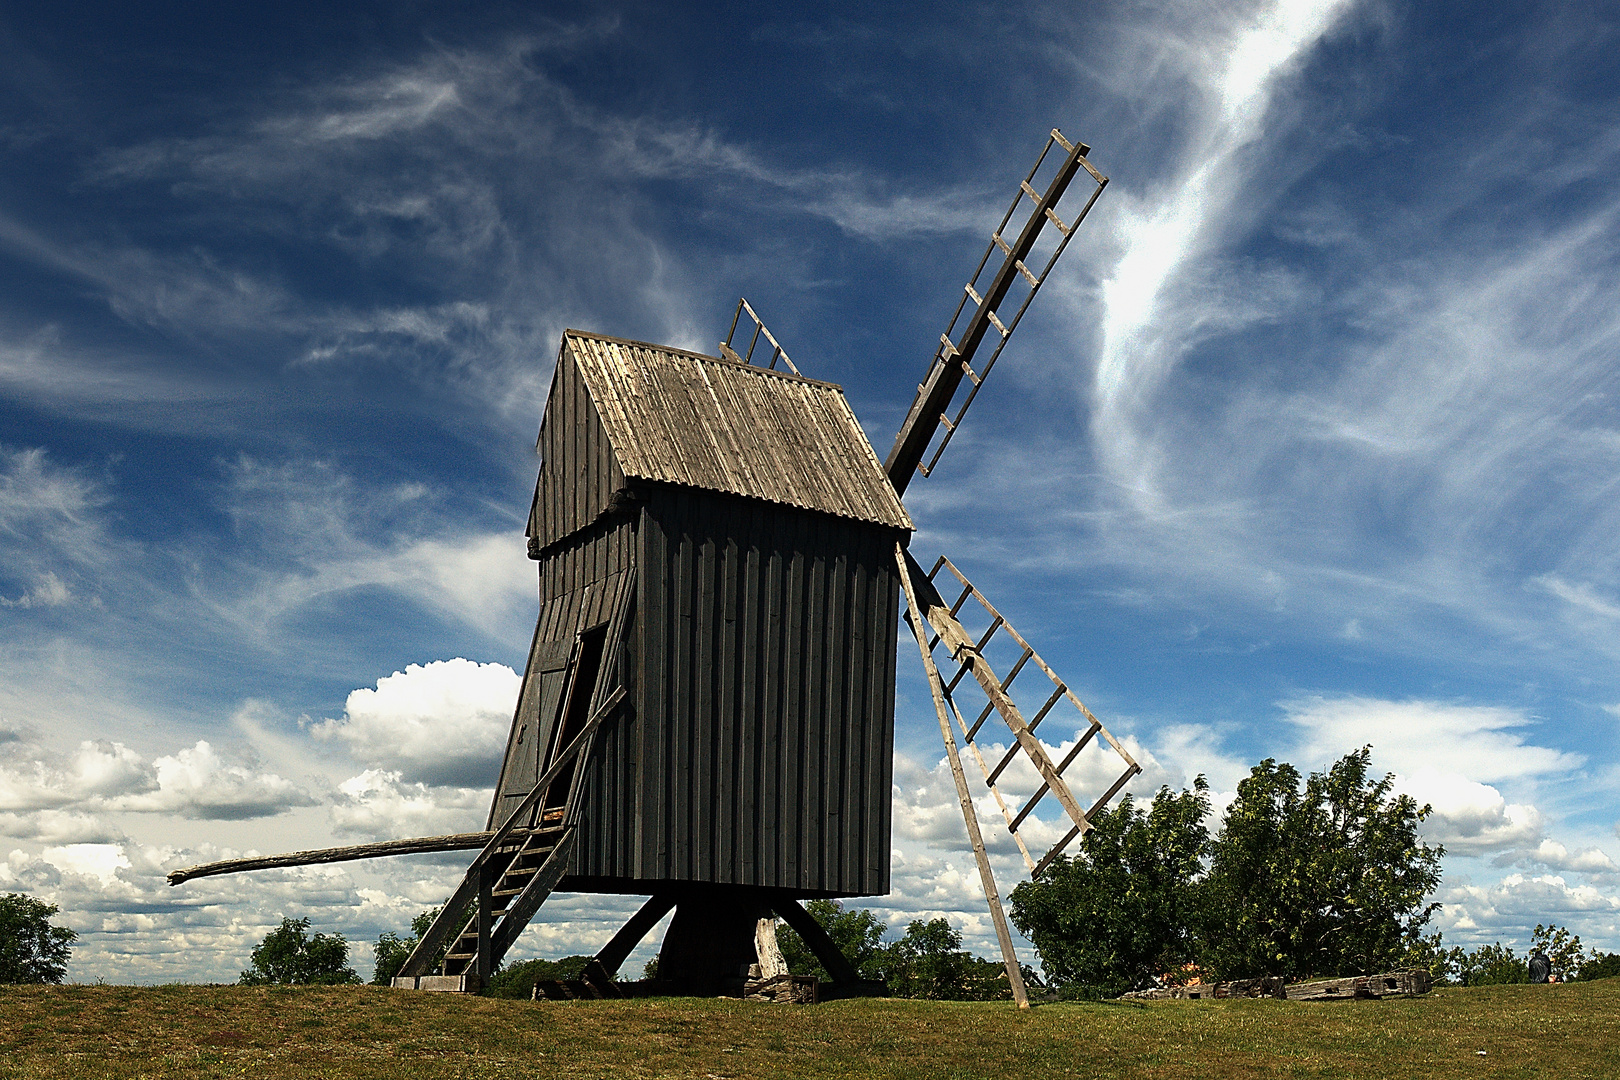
[611,957]
[485,966]
[918,620]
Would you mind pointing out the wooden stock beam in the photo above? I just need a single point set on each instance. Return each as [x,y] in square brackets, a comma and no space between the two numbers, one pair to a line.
[418,846]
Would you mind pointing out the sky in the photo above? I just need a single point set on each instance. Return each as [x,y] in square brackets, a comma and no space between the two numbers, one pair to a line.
[1311,441]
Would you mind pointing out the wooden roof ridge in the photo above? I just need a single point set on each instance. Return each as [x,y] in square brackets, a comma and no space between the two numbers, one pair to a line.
[690,354]
[682,417]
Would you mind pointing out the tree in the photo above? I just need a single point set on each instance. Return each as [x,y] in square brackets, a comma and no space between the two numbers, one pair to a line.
[31,949]
[1561,947]
[1122,911]
[288,954]
[1326,880]
[1598,966]
[858,934]
[1488,965]
[391,950]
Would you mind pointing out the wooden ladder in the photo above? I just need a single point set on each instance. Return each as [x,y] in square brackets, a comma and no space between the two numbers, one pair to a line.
[511,877]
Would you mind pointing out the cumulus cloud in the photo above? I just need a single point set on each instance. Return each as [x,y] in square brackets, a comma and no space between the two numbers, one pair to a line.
[101,775]
[197,783]
[1552,855]
[1482,742]
[1469,817]
[442,723]
[380,804]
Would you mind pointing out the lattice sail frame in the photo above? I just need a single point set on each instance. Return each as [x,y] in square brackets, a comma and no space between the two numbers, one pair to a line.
[935,624]
[1036,752]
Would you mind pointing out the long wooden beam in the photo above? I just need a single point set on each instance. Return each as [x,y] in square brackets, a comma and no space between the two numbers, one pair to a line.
[418,846]
[987,878]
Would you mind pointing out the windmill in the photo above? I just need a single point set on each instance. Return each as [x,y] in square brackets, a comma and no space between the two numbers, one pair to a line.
[707,712]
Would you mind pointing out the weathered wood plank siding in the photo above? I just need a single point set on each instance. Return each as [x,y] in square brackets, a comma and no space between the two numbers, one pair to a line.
[758,528]
[764,689]
[579,473]
[579,588]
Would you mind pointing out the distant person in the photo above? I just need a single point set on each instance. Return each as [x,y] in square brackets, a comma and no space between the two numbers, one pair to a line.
[1540,967]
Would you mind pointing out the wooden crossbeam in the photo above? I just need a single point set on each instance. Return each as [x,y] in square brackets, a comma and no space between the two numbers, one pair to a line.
[916,615]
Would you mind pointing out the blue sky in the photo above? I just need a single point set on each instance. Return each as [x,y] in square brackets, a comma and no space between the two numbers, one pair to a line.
[1312,441]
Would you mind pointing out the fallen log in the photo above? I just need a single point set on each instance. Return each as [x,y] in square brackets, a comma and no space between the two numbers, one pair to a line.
[1388,984]
[417,846]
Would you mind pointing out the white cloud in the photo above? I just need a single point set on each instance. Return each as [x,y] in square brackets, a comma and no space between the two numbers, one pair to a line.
[108,776]
[443,723]
[1470,817]
[1481,742]
[197,783]
[101,861]
[381,805]
[1555,856]
[1240,70]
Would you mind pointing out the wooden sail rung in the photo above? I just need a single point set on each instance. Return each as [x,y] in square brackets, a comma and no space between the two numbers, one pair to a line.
[973,293]
[1012,752]
[1051,216]
[1061,141]
[1031,192]
[1034,282]
[992,317]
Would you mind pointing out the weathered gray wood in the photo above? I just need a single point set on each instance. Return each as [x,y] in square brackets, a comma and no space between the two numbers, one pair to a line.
[612,955]
[771,961]
[382,848]
[831,956]
[936,686]
[965,651]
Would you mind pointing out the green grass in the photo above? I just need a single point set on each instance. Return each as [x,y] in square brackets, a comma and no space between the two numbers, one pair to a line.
[192,1031]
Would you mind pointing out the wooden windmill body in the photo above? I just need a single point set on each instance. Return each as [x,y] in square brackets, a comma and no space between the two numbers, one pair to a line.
[707,712]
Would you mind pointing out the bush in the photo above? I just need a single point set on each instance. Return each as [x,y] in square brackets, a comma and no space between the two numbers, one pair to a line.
[289,955]
[518,980]
[1122,911]
[858,935]
[1598,966]
[31,949]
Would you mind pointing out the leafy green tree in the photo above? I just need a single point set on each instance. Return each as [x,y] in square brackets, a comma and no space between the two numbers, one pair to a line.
[1324,880]
[1488,965]
[391,950]
[31,949]
[929,962]
[858,934]
[1562,949]
[289,954]
[1598,965]
[1123,910]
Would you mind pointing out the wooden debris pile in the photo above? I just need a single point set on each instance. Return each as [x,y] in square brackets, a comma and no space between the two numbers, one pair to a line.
[1388,984]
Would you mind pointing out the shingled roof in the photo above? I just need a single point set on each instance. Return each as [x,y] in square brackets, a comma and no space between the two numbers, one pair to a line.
[679,417]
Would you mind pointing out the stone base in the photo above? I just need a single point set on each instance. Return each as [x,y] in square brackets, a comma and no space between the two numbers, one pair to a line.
[444,984]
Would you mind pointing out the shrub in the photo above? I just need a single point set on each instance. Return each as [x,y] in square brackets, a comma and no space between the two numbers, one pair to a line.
[31,949]
[290,955]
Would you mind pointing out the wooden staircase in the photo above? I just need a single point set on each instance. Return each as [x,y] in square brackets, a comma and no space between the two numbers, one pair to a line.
[511,877]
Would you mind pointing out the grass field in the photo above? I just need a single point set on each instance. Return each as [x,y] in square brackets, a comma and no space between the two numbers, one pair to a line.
[194,1031]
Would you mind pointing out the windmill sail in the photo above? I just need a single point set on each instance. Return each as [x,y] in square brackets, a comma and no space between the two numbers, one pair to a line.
[930,413]
[935,623]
